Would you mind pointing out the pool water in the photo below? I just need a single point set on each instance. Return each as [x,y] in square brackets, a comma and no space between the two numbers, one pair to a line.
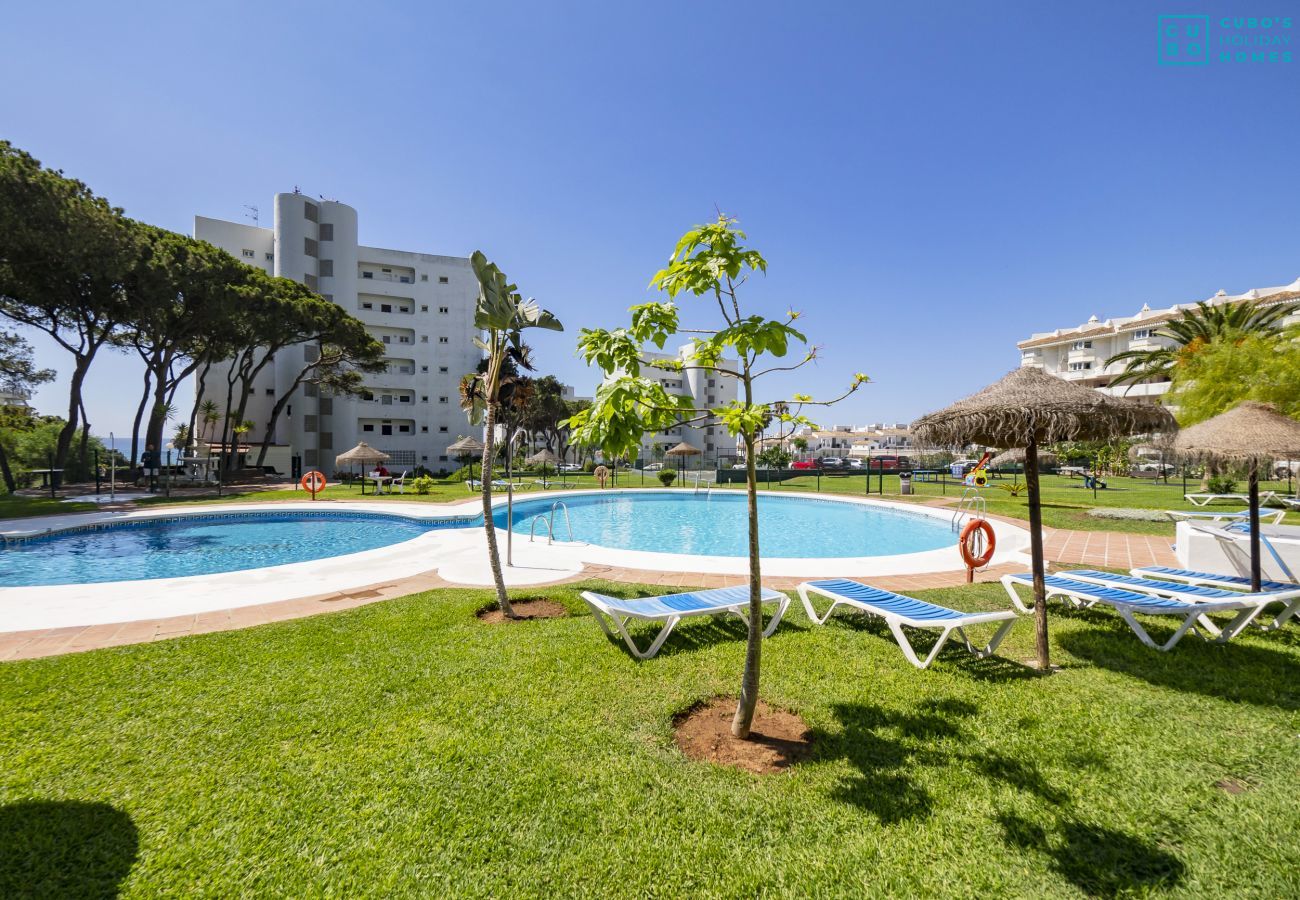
[196,546]
[716,525]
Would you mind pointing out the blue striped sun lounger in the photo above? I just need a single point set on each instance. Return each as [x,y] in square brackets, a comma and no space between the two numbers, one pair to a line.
[899,610]
[1273,591]
[1131,603]
[672,608]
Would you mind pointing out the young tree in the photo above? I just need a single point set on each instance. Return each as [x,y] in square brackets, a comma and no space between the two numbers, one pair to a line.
[501,315]
[64,257]
[710,262]
[18,375]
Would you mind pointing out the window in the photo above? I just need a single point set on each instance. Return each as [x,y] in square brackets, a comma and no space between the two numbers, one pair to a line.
[366,395]
[309,246]
[312,212]
[424,308]
[388,271]
[367,274]
[327,440]
[424,398]
[443,369]
[442,399]
[310,281]
[327,268]
[385,429]
[270,257]
[443,458]
[327,232]
[387,339]
[442,279]
[270,392]
[403,399]
[424,339]
[713,382]
[442,340]
[442,429]
[386,400]
[424,368]
[385,307]
[309,424]
[310,353]
[1081,345]
[248,254]
[404,429]
[367,427]
[404,339]
[424,429]
[1080,366]
[444,310]
[367,305]
[1141,334]
[424,277]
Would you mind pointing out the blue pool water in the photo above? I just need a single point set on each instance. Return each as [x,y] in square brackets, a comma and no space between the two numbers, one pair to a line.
[196,546]
[715,525]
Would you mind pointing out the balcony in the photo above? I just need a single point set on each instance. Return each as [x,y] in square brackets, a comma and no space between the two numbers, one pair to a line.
[386,276]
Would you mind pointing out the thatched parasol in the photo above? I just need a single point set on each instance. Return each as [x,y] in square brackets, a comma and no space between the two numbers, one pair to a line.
[683,449]
[465,448]
[1026,408]
[1017,455]
[1248,432]
[543,458]
[361,455]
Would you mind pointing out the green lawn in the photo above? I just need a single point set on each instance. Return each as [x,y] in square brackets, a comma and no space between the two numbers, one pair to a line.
[14,506]
[406,748]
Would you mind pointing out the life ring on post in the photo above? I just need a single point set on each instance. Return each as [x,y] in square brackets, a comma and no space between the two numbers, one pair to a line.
[313,482]
[977,532]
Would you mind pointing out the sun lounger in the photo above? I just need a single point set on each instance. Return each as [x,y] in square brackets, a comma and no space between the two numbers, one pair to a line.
[1211,515]
[1289,502]
[898,610]
[1240,582]
[1129,604]
[1265,497]
[672,608]
[1287,595]
[497,484]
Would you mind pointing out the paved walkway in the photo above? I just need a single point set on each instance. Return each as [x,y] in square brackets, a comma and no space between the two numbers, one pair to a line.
[1061,547]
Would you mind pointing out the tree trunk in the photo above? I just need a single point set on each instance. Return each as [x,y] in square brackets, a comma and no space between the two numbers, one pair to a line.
[744,717]
[6,472]
[69,430]
[85,442]
[1036,551]
[489,527]
[139,416]
[276,410]
[198,396]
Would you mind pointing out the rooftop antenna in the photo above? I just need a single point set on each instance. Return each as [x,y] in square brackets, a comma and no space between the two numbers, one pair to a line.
[252,213]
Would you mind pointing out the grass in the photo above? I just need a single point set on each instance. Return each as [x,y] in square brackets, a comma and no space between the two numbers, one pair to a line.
[16,506]
[406,748]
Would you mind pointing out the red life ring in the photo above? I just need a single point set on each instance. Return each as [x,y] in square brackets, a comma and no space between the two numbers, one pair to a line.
[966,543]
[314,482]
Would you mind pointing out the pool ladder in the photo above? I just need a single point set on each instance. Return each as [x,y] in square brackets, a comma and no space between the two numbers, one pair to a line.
[971,504]
[549,522]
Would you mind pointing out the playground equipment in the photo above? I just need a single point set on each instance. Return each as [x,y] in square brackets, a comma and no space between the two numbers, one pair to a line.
[979,476]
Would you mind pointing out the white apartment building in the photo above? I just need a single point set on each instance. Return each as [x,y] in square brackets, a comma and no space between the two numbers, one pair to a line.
[420,305]
[1079,354]
[707,389]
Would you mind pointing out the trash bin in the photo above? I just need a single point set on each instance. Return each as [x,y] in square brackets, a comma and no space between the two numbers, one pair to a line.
[958,470]
[905,483]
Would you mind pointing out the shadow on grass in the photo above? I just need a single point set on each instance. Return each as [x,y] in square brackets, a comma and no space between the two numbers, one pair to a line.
[1101,862]
[64,848]
[1239,672]
[993,668]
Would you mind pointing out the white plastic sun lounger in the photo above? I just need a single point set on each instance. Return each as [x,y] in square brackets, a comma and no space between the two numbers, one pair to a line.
[1211,515]
[672,608]
[1239,582]
[1206,499]
[1128,604]
[898,610]
[1287,595]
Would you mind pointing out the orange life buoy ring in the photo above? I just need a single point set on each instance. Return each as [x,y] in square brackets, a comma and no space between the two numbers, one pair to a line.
[313,482]
[967,541]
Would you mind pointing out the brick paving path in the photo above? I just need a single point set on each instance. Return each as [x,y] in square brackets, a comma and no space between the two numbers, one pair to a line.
[1061,547]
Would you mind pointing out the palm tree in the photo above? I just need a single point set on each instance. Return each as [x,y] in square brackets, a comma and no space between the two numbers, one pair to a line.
[501,315]
[1193,329]
[211,416]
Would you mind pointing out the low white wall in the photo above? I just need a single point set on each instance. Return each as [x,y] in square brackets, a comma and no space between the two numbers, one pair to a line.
[1207,548]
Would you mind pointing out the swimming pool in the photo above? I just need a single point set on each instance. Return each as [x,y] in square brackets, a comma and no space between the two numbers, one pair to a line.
[716,525]
[196,545]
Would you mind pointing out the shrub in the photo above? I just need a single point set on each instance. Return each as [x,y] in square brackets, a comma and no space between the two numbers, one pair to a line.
[1222,484]
[423,484]
[667,477]
[589,466]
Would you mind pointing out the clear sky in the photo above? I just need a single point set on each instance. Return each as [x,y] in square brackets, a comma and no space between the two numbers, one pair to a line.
[929,182]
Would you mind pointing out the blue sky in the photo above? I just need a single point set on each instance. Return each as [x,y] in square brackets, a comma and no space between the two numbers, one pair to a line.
[929,182]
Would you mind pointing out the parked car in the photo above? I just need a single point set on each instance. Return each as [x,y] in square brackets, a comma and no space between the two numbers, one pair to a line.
[890,463]
[570,467]
[654,467]
[832,462]
[804,464]
[1154,469]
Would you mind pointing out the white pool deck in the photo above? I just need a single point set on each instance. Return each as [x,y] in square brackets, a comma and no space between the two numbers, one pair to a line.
[457,555]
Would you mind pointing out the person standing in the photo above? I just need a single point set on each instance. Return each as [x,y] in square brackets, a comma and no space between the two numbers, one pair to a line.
[149,467]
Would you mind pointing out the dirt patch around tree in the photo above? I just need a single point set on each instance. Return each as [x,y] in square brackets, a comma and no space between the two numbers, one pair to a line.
[777,740]
[527,609]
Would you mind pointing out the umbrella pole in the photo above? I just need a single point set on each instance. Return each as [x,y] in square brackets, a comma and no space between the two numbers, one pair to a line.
[1254,526]
[1036,551]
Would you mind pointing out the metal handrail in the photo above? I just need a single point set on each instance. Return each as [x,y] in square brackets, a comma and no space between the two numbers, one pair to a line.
[567,523]
[972,502]
[532,527]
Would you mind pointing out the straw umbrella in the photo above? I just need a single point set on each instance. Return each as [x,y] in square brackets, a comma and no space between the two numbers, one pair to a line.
[465,448]
[1248,432]
[362,454]
[543,457]
[1027,408]
[683,450]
